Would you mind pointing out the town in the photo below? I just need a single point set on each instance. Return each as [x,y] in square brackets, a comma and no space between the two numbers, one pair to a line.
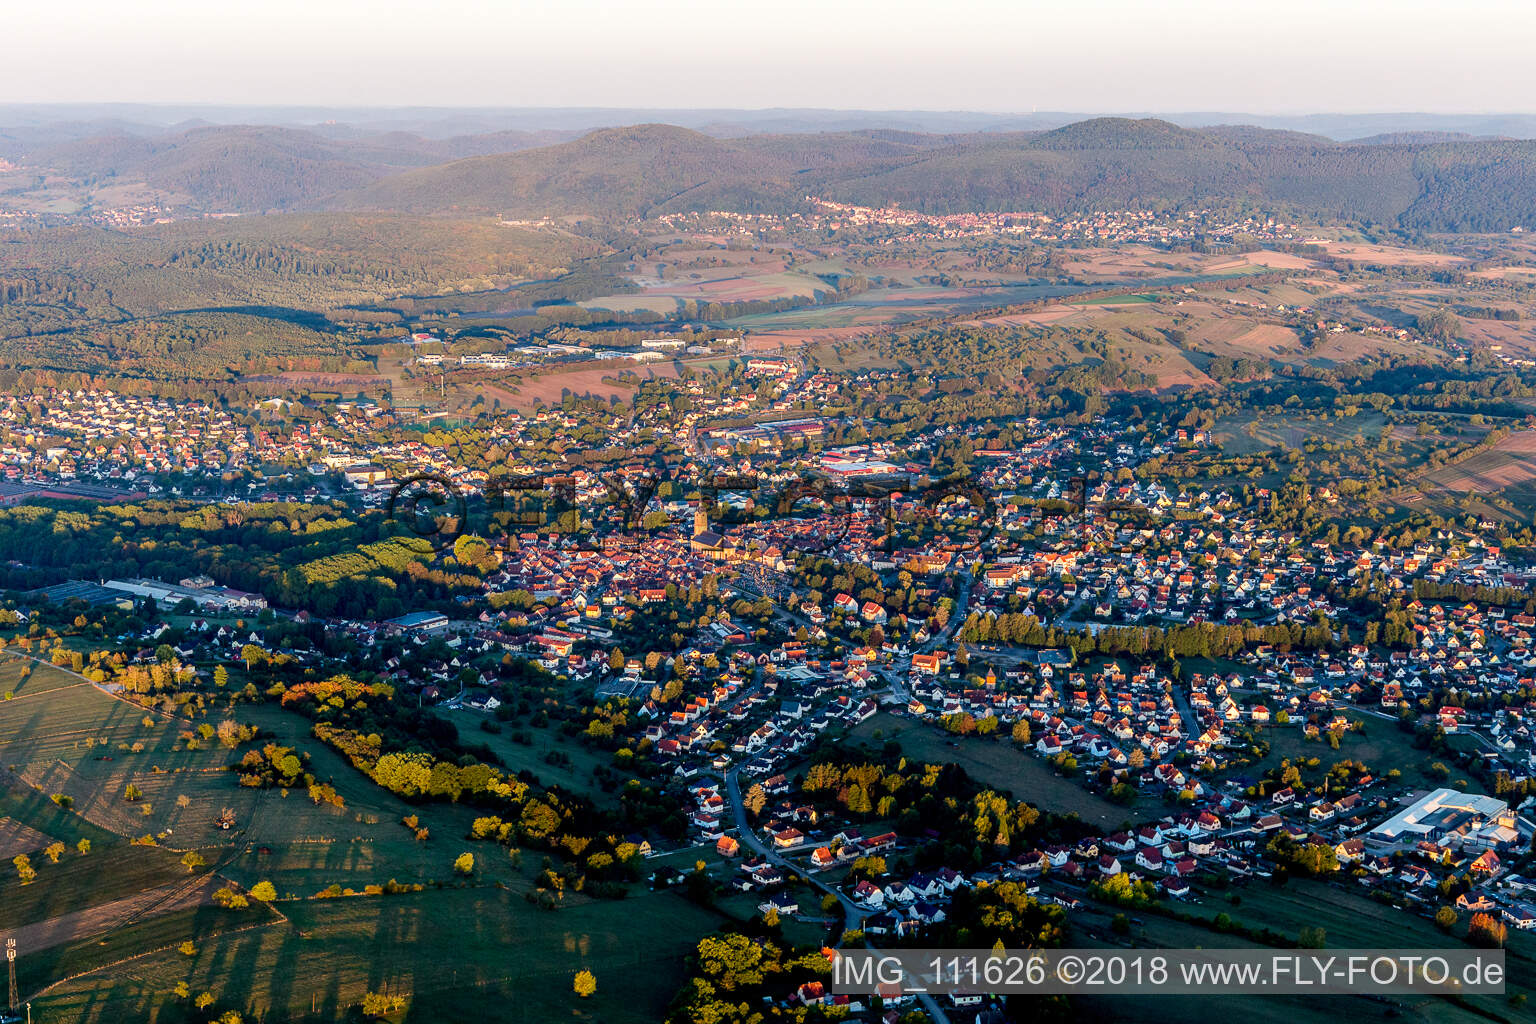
[1195,676]
[470,552]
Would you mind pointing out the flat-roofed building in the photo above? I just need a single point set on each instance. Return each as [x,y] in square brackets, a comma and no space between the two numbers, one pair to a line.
[170,594]
[1450,817]
[420,622]
[93,595]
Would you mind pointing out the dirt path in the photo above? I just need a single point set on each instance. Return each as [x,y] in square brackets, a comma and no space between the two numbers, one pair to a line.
[18,838]
[82,924]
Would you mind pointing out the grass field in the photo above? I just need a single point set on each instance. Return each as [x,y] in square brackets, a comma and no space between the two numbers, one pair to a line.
[721,285]
[1349,919]
[665,305]
[1382,746]
[551,387]
[89,746]
[474,952]
[1293,431]
[22,677]
[1354,921]
[995,763]
[81,881]
[576,777]
[1161,932]
[463,954]
[1121,300]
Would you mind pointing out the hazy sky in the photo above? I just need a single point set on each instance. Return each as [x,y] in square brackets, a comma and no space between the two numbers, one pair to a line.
[1263,56]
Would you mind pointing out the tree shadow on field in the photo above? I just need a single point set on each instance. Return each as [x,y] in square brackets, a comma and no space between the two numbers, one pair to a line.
[397,931]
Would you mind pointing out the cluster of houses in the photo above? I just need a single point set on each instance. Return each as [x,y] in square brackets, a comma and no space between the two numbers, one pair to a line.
[1161,228]
[105,436]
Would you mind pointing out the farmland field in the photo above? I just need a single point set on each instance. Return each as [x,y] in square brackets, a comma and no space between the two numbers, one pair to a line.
[462,953]
[307,954]
[1508,465]
[22,677]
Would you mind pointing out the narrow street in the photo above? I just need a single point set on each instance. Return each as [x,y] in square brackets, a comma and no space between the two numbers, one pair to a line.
[853,915]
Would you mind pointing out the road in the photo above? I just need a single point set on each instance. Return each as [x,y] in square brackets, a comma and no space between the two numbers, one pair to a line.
[853,914]
[956,615]
[1187,721]
[897,673]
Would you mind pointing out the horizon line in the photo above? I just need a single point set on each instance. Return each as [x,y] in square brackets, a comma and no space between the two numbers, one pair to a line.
[974,111]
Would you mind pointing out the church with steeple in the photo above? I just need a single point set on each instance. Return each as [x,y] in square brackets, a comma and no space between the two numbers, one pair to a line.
[706,541]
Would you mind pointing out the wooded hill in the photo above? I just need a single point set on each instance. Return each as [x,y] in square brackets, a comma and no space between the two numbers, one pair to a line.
[1419,180]
[1099,164]
[245,168]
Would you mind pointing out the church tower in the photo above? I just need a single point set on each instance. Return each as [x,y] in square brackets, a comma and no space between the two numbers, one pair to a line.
[700,519]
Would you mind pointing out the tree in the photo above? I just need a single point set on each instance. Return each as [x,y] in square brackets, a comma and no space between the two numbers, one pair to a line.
[53,851]
[187,948]
[1486,930]
[84,846]
[584,984]
[732,960]
[1441,325]
[1312,858]
[868,867]
[228,897]
[252,656]
[1020,732]
[24,869]
[264,891]
[465,864]
[132,793]
[616,660]
[231,733]
[192,860]
[1445,918]
[380,1004]
[471,551]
